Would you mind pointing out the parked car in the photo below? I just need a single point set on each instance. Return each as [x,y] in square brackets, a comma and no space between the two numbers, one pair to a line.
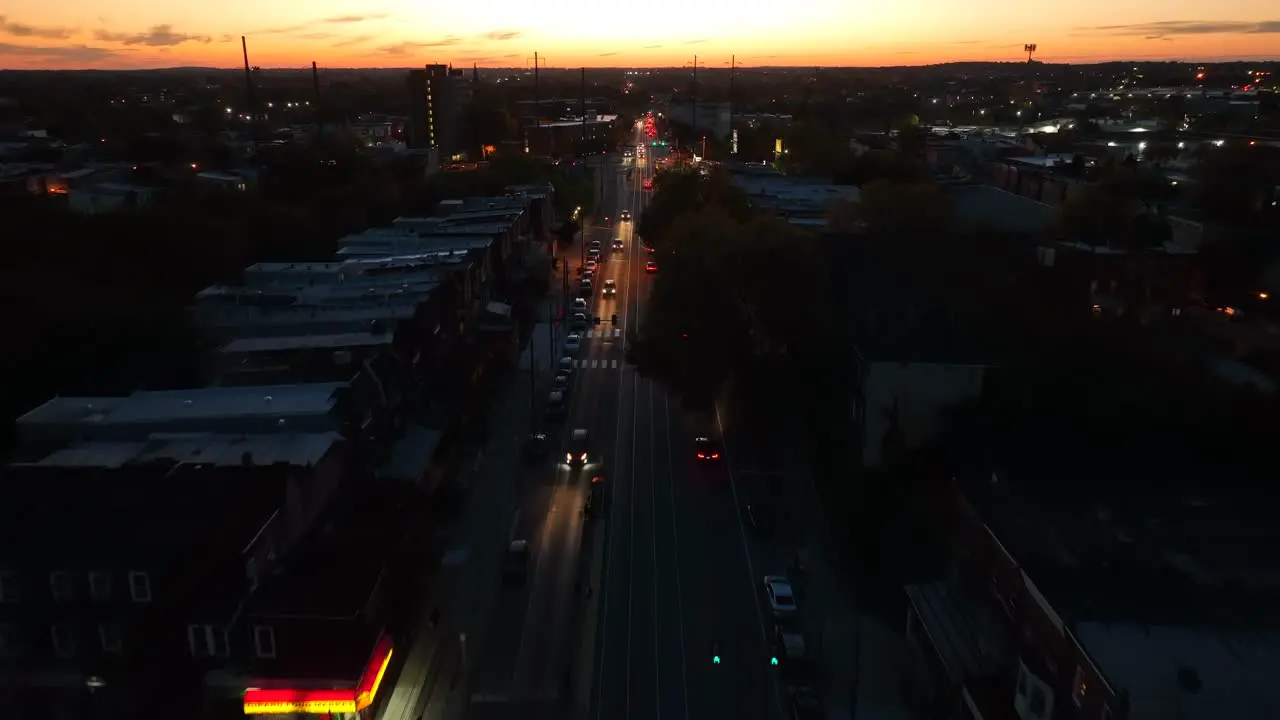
[782,599]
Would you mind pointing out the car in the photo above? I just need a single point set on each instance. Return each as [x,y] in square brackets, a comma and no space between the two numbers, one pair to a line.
[591,266]
[594,255]
[585,287]
[648,249]
[708,450]
[625,216]
[651,267]
[573,343]
[594,245]
[782,599]
[588,275]
[648,184]
[610,287]
[595,499]
[565,366]
[579,320]
[806,704]
[535,445]
[560,383]
[617,244]
[579,449]
[580,306]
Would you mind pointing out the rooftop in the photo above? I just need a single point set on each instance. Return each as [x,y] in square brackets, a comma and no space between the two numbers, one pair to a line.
[992,206]
[273,322]
[201,449]
[306,342]
[194,403]
[1191,673]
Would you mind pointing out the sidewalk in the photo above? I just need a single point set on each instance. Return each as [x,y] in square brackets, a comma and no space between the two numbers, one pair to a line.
[864,657]
[433,681]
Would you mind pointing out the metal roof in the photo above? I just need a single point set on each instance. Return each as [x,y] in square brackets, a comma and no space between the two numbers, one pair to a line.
[212,449]
[306,342]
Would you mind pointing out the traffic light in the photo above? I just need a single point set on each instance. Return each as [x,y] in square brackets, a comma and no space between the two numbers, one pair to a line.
[773,660]
[715,659]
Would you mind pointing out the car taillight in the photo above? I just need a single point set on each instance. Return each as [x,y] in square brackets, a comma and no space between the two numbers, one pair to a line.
[715,456]
[701,456]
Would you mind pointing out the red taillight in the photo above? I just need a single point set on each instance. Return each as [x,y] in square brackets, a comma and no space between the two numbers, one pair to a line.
[701,456]
[716,456]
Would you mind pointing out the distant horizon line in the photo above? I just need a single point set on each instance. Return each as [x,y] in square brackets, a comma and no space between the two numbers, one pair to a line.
[303,68]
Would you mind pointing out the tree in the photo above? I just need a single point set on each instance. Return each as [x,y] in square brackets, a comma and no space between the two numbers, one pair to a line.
[1119,210]
[679,193]
[695,330]
[1238,183]
[811,148]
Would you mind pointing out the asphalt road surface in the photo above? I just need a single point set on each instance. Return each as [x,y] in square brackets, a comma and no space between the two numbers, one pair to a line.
[678,574]
[532,639]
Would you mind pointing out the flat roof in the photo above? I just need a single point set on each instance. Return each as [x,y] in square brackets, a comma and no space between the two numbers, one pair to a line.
[1235,669]
[197,449]
[409,292]
[251,316]
[407,262]
[211,402]
[61,410]
[306,342]
[280,267]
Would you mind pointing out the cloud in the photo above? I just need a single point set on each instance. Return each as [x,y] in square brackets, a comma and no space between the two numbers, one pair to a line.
[357,40]
[225,38]
[510,55]
[155,36]
[1157,30]
[502,35]
[315,36]
[72,53]
[694,42]
[403,48]
[967,42]
[651,47]
[319,22]
[22,30]
[611,54]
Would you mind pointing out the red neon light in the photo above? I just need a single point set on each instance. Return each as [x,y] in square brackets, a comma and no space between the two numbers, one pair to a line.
[270,702]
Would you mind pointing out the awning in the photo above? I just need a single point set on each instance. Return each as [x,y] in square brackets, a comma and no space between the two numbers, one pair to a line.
[411,455]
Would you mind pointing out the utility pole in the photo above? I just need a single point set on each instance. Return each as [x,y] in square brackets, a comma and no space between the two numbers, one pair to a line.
[584,111]
[315,98]
[695,93]
[533,386]
[733,72]
[537,105]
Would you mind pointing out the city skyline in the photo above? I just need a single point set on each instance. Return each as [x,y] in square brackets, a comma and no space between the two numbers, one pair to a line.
[144,34]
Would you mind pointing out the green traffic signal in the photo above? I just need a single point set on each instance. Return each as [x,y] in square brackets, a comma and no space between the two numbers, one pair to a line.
[716,659]
[773,660]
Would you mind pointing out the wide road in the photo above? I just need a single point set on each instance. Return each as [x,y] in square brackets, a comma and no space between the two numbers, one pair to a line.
[532,640]
[679,573]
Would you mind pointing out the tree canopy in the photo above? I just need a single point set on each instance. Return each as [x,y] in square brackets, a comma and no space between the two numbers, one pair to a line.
[733,288]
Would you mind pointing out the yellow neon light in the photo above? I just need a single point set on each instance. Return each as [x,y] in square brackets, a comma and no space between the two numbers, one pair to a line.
[365,699]
[313,707]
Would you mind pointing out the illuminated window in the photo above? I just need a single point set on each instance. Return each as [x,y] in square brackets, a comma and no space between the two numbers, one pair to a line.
[140,586]
[60,586]
[109,636]
[207,641]
[99,585]
[264,641]
[64,643]
[9,591]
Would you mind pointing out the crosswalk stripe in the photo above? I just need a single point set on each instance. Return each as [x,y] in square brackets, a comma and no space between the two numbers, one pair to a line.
[593,364]
[615,364]
[612,332]
[596,364]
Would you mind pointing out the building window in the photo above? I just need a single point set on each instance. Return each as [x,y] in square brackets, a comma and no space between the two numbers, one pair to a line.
[207,641]
[64,643]
[99,585]
[140,586]
[9,591]
[109,636]
[264,641]
[1079,688]
[60,586]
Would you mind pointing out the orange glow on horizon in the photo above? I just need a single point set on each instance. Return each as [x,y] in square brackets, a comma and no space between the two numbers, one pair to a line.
[665,33]
[259,701]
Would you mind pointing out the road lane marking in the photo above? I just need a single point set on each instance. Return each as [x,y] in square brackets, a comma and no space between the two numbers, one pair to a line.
[627,285]
[615,365]
[675,546]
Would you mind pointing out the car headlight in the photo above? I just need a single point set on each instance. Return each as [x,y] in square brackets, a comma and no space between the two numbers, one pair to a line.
[568,457]
[584,457]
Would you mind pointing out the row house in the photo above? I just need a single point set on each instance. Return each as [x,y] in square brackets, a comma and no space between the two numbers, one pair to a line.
[127,562]
[1143,283]
[1136,630]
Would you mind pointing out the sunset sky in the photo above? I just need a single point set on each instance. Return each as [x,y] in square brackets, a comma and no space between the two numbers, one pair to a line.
[572,33]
